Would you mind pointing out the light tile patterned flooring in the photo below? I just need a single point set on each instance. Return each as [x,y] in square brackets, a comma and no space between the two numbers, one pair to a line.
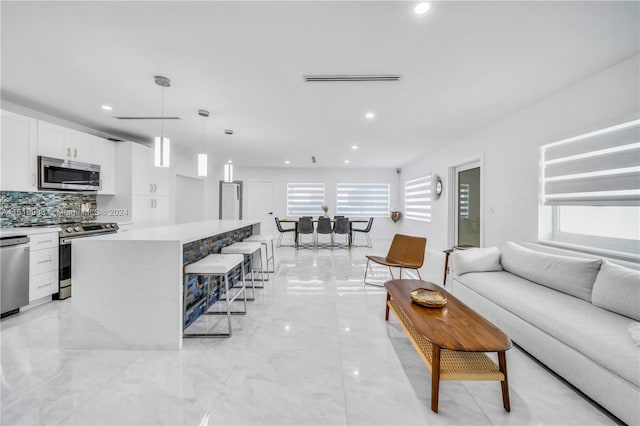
[314,349]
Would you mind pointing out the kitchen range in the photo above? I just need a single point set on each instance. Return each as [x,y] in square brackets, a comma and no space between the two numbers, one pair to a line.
[70,232]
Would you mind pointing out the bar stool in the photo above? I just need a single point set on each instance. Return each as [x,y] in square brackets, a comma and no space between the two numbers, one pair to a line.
[248,249]
[265,240]
[219,265]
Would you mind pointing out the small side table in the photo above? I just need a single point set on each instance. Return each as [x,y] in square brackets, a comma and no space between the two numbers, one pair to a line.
[446,259]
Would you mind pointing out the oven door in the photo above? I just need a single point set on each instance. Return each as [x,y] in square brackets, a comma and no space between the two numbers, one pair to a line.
[64,270]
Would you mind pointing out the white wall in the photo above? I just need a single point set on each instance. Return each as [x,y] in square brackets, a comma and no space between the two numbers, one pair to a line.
[189,199]
[510,153]
[383,228]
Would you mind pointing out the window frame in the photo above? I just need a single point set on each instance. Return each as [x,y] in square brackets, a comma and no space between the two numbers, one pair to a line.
[408,211]
[319,212]
[364,214]
[550,214]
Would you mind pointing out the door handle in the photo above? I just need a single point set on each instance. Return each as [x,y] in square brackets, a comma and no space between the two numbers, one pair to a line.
[68,152]
[271,213]
[75,152]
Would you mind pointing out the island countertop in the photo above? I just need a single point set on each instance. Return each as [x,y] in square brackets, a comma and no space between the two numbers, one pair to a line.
[129,288]
[183,233]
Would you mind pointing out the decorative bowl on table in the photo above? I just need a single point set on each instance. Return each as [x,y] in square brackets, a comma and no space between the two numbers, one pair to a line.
[428,298]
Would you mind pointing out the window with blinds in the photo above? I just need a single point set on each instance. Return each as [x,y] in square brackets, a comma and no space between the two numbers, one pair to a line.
[417,199]
[362,199]
[592,185]
[305,199]
[600,168]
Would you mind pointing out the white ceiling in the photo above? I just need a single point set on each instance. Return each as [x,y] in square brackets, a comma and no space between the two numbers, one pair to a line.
[464,65]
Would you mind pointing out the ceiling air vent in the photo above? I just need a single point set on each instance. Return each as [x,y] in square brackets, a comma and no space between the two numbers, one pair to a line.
[147,118]
[333,78]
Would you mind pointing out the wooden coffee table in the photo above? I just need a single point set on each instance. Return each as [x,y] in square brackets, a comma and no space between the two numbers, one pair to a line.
[450,340]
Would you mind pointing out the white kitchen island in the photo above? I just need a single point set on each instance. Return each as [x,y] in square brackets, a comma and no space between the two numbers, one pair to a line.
[128,288]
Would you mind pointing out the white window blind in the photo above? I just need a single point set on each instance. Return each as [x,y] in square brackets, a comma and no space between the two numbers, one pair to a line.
[362,199]
[601,168]
[305,199]
[417,199]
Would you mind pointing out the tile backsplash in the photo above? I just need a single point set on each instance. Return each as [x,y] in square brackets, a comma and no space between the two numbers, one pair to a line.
[24,208]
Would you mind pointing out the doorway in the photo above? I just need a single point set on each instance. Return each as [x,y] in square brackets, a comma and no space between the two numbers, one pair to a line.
[260,205]
[467,204]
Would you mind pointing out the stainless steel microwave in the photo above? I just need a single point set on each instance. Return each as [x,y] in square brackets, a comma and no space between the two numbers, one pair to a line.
[63,175]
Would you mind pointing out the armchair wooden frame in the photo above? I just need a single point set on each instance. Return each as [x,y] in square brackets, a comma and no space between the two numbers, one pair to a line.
[406,252]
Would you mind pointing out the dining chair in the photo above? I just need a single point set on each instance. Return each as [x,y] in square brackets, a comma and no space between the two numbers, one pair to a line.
[343,227]
[284,231]
[305,227]
[406,252]
[324,228]
[364,230]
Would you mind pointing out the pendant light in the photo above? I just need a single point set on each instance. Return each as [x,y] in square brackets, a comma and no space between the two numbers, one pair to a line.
[162,144]
[202,157]
[228,168]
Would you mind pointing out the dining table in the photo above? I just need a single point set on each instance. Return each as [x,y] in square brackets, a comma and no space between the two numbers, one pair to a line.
[295,221]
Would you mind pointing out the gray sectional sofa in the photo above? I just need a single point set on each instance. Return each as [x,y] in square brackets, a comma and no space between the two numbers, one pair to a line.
[573,314]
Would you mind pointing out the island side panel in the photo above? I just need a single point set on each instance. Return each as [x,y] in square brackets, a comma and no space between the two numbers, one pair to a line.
[126,294]
[195,291]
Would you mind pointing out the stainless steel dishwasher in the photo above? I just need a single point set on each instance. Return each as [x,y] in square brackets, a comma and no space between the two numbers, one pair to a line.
[14,275]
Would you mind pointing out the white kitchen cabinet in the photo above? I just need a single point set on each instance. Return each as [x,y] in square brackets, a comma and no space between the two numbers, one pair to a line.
[149,211]
[82,147]
[66,144]
[146,178]
[141,189]
[18,152]
[52,140]
[43,265]
[105,157]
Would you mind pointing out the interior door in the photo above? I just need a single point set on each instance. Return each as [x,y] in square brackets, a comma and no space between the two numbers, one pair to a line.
[260,205]
[468,205]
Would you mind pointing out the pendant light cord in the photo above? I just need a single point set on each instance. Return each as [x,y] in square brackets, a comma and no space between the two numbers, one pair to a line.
[162,118]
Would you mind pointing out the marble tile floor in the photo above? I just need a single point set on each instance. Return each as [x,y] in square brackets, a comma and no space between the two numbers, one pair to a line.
[314,349]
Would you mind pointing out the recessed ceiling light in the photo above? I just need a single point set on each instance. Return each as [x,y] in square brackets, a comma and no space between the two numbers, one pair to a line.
[106,107]
[287,162]
[354,147]
[369,115]
[422,8]
[346,161]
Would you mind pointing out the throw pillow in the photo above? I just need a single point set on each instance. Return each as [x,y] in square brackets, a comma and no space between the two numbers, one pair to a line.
[634,332]
[570,275]
[617,289]
[476,260]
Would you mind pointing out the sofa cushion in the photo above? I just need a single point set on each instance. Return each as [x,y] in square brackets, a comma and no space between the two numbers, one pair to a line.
[618,289]
[599,334]
[570,275]
[476,260]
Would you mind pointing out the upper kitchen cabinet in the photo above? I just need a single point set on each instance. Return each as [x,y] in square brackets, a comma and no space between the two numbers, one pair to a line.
[66,144]
[105,157]
[71,145]
[18,152]
[147,179]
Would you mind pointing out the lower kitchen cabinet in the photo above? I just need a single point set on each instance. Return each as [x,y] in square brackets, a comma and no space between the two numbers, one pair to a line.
[43,265]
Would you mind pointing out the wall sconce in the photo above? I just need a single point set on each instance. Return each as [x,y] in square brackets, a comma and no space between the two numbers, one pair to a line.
[395,216]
